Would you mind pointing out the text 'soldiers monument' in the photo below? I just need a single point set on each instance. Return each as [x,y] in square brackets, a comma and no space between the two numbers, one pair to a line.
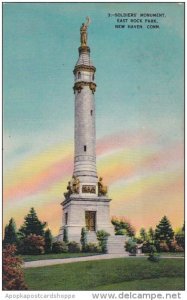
[86,203]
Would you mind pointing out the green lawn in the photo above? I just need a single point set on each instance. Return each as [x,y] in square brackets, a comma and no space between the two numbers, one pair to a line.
[55,256]
[114,274]
[163,283]
[174,254]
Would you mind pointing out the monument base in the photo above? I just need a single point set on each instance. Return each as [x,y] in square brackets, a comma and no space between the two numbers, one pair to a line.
[92,213]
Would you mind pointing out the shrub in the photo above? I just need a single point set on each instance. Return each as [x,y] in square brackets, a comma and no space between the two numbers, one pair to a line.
[48,241]
[59,247]
[131,246]
[146,247]
[153,255]
[180,238]
[65,235]
[174,247]
[12,272]
[74,247]
[138,240]
[102,237]
[121,232]
[122,223]
[92,247]
[32,244]
[163,247]
[83,239]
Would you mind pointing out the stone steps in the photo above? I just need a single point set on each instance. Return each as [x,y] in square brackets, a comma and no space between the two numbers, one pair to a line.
[115,245]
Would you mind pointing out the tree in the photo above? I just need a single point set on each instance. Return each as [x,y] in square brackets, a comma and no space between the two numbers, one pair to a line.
[48,241]
[83,239]
[180,237]
[151,234]
[164,231]
[32,244]
[122,226]
[32,225]
[143,234]
[65,235]
[10,233]
[12,272]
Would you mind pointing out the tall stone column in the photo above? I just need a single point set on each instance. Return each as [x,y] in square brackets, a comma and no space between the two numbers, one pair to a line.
[84,133]
[86,203]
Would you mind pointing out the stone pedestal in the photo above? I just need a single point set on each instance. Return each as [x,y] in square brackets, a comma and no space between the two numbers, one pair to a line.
[90,213]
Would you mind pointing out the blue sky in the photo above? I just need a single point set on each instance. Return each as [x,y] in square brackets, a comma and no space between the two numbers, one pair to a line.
[139,74]
[145,67]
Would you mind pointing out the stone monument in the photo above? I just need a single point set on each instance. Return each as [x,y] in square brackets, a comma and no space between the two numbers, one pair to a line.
[86,203]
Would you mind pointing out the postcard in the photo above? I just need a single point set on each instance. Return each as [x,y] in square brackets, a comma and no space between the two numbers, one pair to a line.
[93,148]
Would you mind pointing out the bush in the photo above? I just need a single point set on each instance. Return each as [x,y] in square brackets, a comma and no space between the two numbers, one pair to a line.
[180,238]
[131,247]
[163,247]
[59,247]
[146,247]
[65,235]
[83,239]
[48,241]
[121,232]
[153,255]
[174,247]
[92,247]
[74,247]
[138,240]
[12,273]
[32,244]
[102,237]
[122,223]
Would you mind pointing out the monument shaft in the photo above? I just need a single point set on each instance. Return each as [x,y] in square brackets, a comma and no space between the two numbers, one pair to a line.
[84,134]
[86,204]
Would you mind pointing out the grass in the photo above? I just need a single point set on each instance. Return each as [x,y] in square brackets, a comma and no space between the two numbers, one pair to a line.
[172,254]
[55,256]
[114,274]
[163,283]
